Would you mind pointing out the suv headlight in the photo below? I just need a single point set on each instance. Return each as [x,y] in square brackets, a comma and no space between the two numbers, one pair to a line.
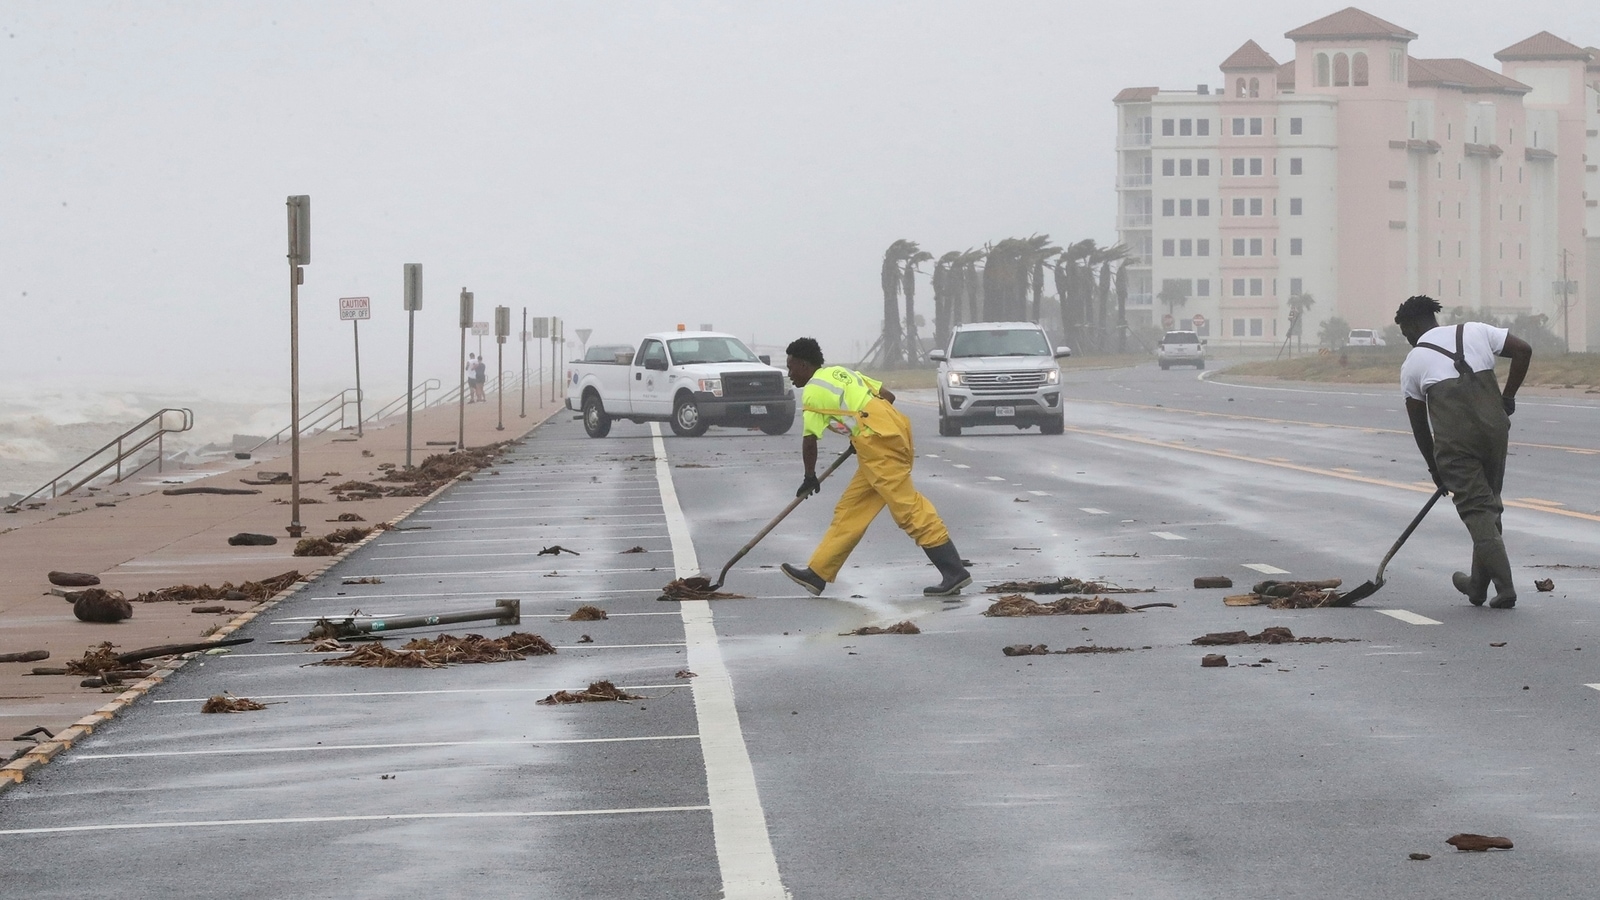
[954,379]
[1052,377]
[712,386]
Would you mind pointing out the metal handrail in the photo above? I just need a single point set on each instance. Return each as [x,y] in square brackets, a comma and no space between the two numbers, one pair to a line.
[123,452]
[322,412]
[513,383]
[399,403]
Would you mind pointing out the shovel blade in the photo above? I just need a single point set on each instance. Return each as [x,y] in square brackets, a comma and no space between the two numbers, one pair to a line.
[1358,593]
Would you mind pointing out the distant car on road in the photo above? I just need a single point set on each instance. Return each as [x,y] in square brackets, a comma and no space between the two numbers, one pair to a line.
[1000,373]
[1181,348]
[1364,337]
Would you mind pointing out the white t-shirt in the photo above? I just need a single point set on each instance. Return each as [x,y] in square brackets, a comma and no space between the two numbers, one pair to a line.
[1425,368]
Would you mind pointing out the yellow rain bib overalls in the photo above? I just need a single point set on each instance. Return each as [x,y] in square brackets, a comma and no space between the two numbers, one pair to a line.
[841,400]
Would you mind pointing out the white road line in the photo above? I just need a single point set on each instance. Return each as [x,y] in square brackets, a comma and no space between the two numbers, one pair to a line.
[1040,493]
[1595,686]
[393,817]
[738,823]
[390,544]
[543,690]
[475,572]
[1094,512]
[1410,618]
[993,478]
[564,595]
[543,517]
[959,466]
[317,748]
[1169,536]
[1265,569]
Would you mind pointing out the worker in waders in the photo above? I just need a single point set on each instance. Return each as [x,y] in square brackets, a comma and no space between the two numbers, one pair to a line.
[848,402]
[1449,383]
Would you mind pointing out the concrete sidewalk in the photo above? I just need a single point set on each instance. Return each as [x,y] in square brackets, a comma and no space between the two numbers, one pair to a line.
[149,540]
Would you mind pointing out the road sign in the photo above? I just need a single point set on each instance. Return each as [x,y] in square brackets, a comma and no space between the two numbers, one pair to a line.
[1199,321]
[539,327]
[480,329]
[583,334]
[355,308]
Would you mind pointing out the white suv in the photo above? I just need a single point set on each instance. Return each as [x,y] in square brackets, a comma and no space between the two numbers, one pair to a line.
[1364,337]
[1000,373]
[1181,348]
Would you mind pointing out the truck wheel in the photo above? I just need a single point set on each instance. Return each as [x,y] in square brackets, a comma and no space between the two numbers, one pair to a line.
[686,418]
[1058,425]
[778,424]
[948,428]
[1200,365]
[595,421]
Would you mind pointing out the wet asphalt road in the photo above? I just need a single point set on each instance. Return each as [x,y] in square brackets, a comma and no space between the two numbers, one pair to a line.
[900,766]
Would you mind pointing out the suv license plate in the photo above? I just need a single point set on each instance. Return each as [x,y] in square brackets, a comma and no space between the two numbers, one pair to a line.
[758,410]
[1004,412]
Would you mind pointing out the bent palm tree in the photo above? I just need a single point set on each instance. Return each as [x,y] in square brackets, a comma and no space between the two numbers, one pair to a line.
[890,353]
[913,345]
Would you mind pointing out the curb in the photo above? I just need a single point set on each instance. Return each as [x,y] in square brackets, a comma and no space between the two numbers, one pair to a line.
[16,771]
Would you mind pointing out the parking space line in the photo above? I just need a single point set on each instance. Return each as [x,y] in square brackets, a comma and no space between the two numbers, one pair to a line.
[1408,617]
[544,517]
[1094,512]
[545,690]
[411,745]
[462,595]
[1169,536]
[993,478]
[1040,493]
[381,817]
[557,646]
[506,540]
[959,466]
[1265,569]
[738,823]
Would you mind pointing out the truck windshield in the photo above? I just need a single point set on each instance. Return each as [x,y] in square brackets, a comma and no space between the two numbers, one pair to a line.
[1015,342]
[688,351]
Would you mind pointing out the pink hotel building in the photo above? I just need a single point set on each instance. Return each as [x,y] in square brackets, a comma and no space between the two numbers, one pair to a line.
[1360,175]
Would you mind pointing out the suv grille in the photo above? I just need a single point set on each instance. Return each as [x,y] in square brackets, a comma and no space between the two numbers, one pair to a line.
[1003,382]
[752,384]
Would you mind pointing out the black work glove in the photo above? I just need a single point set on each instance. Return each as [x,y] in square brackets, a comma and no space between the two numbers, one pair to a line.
[1510,403]
[1437,481]
[808,487]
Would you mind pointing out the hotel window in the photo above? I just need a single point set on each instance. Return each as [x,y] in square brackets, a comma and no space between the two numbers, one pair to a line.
[1397,62]
[1358,70]
[1168,246]
[1295,207]
[1185,127]
[1255,328]
[1295,246]
[1202,287]
[1202,247]
[1167,168]
[1295,126]
[1238,246]
[1238,206]
[1295,166]
[1238,166]
[1238,328]
[1341,70]
[1185,167]
[1166,128]
[1185,207]
[1202,167]
[1255,126]
[1322,70]
[1238,88]
[1255,246]
[1255,87]
[1238,287]
[1168,207]
[1295,286]
[1202,207]
[1255,165]
[1186,247]
[1202,127]
[1255,289]
[1238,126]
[1255,206]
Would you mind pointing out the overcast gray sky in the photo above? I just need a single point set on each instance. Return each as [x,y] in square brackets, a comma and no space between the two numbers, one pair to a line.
[626,166]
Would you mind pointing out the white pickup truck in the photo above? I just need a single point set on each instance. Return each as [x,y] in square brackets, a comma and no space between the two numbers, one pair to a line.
[690,379]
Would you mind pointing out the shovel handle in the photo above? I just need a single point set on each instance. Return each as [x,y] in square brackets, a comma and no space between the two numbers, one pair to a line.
[1407,533]
[721,576]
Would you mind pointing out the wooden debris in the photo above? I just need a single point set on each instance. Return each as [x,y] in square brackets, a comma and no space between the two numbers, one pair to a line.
[684,673]
[351,535]
[445,650]
[1213,581]
[1289,594]
[1478,843]
[73,579]
[906,627]
[25,656]
[596,692]
[178,492]
[635,549]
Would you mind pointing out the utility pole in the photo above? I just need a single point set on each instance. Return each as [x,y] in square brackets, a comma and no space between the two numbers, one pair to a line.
[461,393]
[1566,288]
[412,274]
[502,330]
[299,255]
[524,363]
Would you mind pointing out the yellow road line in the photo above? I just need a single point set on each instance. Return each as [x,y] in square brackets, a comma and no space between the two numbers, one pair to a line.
[1415,487]
[1365,429]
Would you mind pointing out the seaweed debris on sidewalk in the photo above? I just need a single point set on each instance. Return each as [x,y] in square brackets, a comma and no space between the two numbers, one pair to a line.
[1066,585]
[596,692]
[906,627]
[1044,650]
[1276,634]
[102,658]
[444,650]
[226,703]
[694,588]
[252,591]
[1018,605]
[587,613]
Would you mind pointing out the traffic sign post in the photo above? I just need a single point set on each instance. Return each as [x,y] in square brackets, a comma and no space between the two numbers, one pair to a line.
[480,330]
[299,255]
[502,330]
[539,329]
[583,339]
[411,274]
[461,393]
[355,309]
[524,363]
[555,355]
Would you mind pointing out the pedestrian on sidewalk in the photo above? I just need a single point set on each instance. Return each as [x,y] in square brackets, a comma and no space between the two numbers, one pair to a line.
[1461,420]
[472,377]
[838,399]
[479,376]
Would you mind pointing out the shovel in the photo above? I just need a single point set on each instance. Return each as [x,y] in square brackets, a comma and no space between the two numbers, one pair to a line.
[1366,590]
[723,575]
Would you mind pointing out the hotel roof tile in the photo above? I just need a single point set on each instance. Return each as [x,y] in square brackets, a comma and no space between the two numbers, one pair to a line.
[1350,23]
[1543,45]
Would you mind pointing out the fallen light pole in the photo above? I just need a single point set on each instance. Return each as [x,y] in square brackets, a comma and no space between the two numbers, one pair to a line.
[505,612]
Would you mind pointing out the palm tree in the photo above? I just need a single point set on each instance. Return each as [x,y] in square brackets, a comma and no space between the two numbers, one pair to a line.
[1122,305]
[1104,257]
[971,284]
[913,346]
[1070,288]
[1002,291]
[1298,304]
[1035,251]
[1174,293]
[890,353]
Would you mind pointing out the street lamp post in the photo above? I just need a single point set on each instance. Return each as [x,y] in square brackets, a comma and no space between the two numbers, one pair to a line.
[412,274]
[461,393]
[502,330]
[299,255]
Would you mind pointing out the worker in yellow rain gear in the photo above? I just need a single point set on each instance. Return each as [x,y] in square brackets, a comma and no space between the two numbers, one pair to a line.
[848,402]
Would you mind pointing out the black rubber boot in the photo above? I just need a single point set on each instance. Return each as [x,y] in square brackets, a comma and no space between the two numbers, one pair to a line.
[954,575]
[1475,586]
[1498,567]
[806,578]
